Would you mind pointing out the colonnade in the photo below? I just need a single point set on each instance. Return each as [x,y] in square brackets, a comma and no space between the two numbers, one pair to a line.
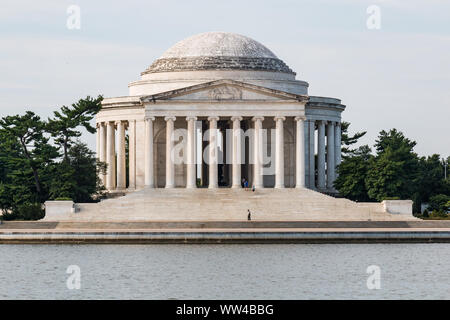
[328,152]
[323,175]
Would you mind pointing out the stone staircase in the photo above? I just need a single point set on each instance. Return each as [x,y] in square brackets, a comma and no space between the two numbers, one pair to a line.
[225,204]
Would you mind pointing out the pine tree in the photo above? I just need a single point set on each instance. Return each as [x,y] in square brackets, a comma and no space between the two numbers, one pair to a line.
[64,127]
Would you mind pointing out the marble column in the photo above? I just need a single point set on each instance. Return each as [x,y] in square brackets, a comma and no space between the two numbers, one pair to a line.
[111,157]
[330,155]
[97,135]
[312,154]
[300,174]
[190,150]
[257,157]
[321,156]
[237,149]
[121,165]
[132,154]
[102,156]
[170,165]
[279,152]
[213,153]
[337,144]
[149,172]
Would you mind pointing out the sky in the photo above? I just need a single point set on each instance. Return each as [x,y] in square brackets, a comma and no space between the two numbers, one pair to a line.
[395,76]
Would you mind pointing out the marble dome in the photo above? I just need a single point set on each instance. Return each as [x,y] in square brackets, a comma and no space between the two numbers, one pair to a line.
[218,51]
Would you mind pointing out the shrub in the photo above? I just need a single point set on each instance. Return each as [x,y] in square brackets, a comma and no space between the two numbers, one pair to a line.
[392,198]
[8,215]
[438,214]
[439,202]
[425,213]
[27,211]
[63,199]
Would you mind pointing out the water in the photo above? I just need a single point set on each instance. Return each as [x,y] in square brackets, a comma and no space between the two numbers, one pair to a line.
[316,271]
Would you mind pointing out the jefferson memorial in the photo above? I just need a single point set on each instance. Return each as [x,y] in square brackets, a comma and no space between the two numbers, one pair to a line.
[213,82]
[215,112]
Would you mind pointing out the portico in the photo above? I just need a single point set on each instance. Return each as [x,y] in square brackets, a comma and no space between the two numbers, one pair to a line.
[280,162]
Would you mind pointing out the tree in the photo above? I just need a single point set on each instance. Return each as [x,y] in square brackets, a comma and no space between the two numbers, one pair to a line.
[347,140]
[31,169]
[429,180]
[394,170]
[78,178]
[352,174]
[30,153]
[64,126]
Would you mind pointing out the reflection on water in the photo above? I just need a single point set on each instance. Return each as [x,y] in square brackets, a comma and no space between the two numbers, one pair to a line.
[298,271]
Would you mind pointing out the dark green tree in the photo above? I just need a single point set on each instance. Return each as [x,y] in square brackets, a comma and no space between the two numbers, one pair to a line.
[395,169]
[28,155]
[352,174]
[348,140]
[430,180]
[64,127]
[79,176]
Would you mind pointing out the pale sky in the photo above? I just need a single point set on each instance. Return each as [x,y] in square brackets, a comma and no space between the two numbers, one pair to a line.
[397,76]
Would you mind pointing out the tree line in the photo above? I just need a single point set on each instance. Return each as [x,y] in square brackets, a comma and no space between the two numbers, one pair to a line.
[393,171]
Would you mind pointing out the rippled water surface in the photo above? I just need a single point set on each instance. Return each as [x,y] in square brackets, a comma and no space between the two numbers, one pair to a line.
[316,271]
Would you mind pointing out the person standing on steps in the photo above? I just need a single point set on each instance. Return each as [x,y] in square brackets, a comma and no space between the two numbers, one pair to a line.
[245,184]
[249,216]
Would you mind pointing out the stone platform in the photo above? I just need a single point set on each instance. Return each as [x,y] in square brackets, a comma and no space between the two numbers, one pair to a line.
[211,232]
[225,204]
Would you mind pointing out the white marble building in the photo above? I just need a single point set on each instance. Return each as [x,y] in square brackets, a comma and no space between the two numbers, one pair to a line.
[231,83]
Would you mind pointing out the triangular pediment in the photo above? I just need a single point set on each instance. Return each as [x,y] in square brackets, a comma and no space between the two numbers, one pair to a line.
[224,90]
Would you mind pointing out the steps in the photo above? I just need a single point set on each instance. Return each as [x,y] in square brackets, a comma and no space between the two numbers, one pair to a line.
[226,204]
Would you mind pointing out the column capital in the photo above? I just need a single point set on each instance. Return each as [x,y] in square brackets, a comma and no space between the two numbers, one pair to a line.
[234,118]
[300,118]
[170,118]
[151,118]
[276,118]
[257,118]
[123,123]
[213,118]
[191,118]
[337,123]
